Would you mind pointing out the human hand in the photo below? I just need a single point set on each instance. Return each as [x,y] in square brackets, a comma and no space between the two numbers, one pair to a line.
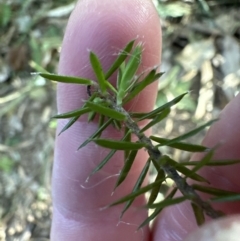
[105,27]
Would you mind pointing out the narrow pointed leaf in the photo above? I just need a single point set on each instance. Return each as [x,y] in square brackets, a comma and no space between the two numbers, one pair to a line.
[74,113]
[119,145]
[188,134]
[199,215]
[91,116]
[137,193]
[158,118]
[120,59]
[157,210]
[163,107]
[75,118]
[97,68]
[188,173]
[149,79]
[100,124]
[103,162]
[77,112]
[110,86]
[227,198]
[67,79]
[126,168]
[150,218]
[213,163]
[139,115]
[212,191]
[205,160]
[117,124]
[97,133]
[70,123]
[128,138]
[106,111]
[172,193]
[155,190]
[132,84]
[137,186]
[131,66]
[167,202]
[129,73]
[119,75]
[181,145]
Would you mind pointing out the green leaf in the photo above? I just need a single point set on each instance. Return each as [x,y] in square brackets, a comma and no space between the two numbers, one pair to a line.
[132,84]
[96,133]
[227,198]
[97,68]
[137,193]
[74,113]
[117,125]
[149,79]
[132,65]
[120,59]
[137,185]
[172,193]
[119,75]
[167,202]
[129,73]
[103,162]
[150,218]
[91,116]
[212,191]
[163,107]
[158,118]
[99,108]
[67,79]
[206,159]
[180,145]
[119,145]
[106,159]
[188,173]
[100,124]
[75,118]
[139,115]
[110,86]
[128,134]
[188,134]
[126,168]
[199,215]
[213,163]
[157,210]
[70,123]
[155,190]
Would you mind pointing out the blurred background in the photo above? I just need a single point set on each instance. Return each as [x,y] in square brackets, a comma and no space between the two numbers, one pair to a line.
[201,53]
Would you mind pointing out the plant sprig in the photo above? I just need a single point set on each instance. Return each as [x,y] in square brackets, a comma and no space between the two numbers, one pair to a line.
[108,102]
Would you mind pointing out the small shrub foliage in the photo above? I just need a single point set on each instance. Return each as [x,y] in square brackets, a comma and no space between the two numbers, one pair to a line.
[107,101]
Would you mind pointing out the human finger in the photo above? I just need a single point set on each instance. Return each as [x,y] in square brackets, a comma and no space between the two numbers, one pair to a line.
[103,27]
[176,222]
[227,228]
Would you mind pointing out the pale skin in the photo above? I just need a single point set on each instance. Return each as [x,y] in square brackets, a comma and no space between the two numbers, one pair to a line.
[105,27]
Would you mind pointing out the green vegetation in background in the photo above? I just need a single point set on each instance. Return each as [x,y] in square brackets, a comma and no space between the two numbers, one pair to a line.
[6,164]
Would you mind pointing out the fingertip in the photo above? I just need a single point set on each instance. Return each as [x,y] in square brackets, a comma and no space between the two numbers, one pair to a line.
[176,222]
[105,28]
[223,229]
